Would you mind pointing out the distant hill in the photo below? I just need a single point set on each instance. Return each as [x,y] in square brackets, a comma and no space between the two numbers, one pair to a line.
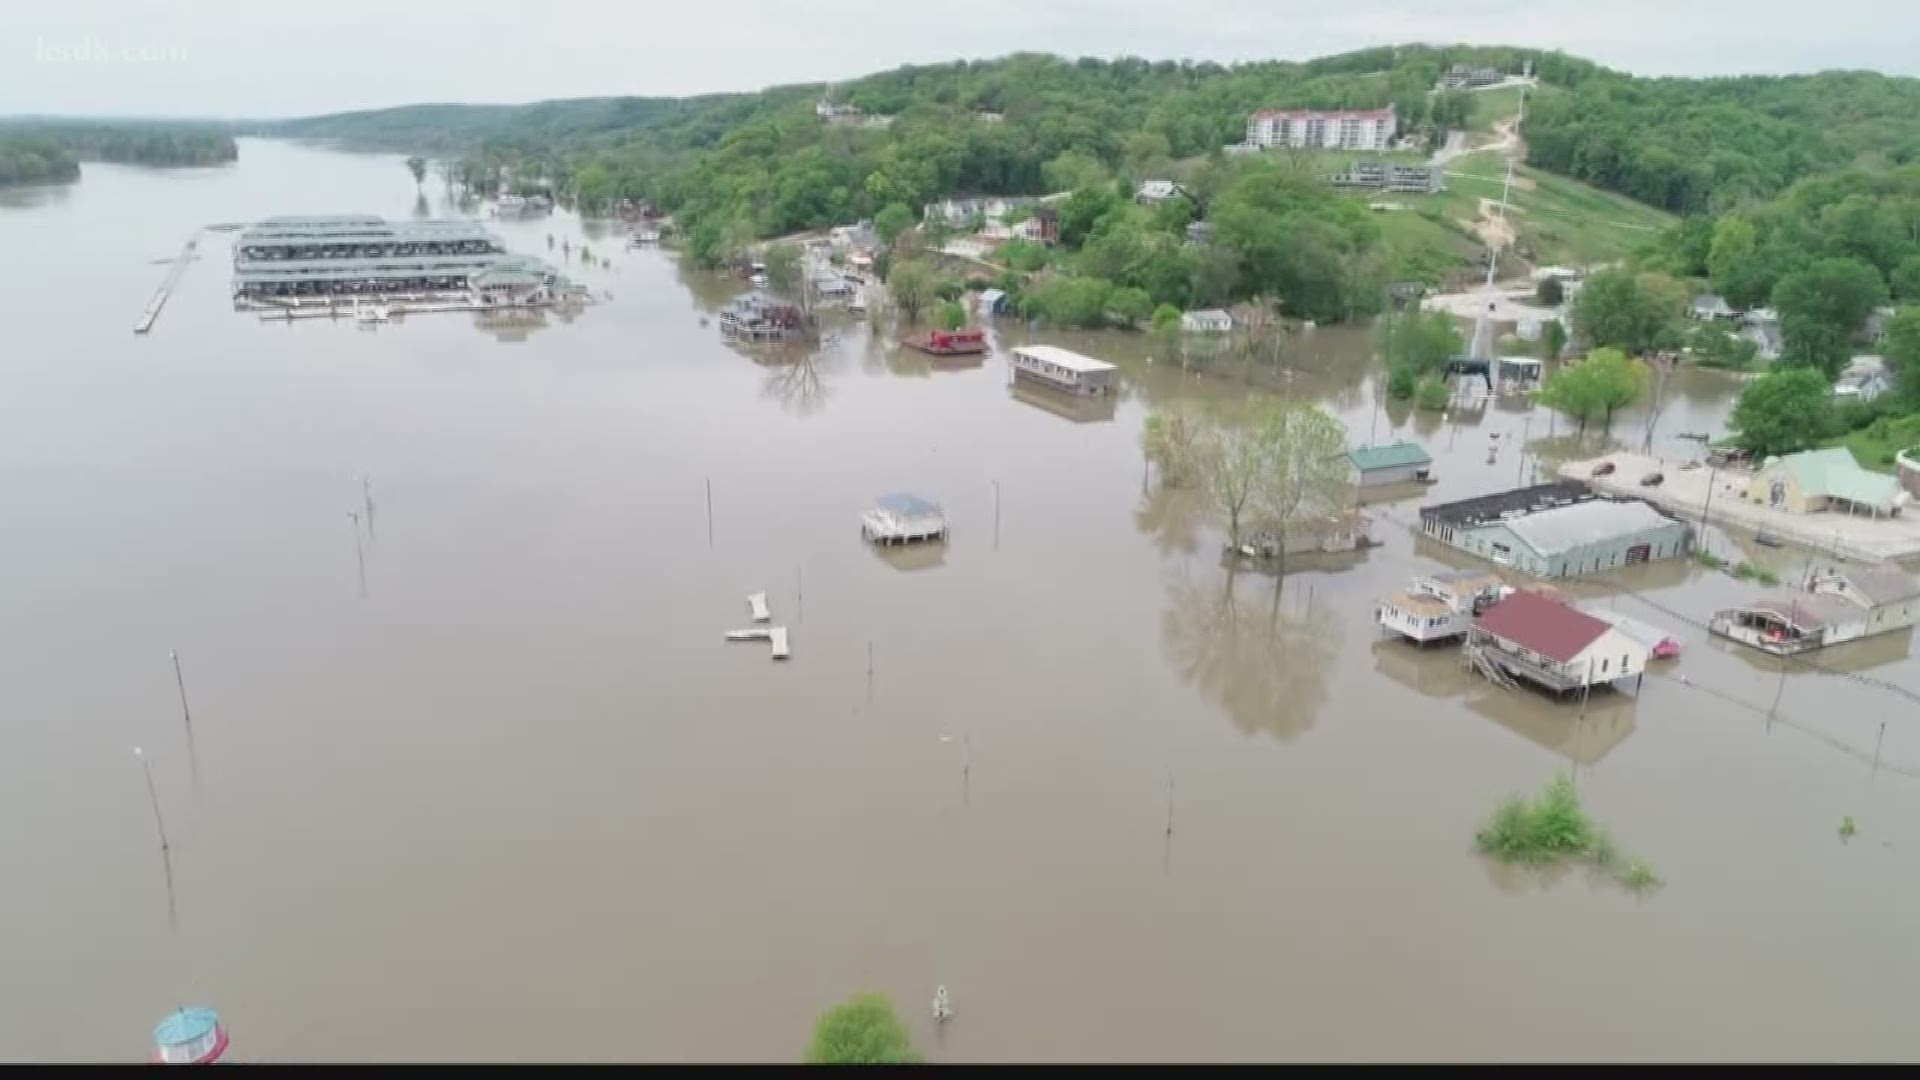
[154,142]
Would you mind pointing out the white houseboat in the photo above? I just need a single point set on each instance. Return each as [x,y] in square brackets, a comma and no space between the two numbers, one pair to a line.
[1063,369]
[1439,606]
[901,518]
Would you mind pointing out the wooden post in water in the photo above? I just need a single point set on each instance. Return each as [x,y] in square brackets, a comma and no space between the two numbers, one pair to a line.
[366,502]
[359,554]
[709,512]
[799,598]
[1877,740]
[869,671]
[996,515]
[160,826]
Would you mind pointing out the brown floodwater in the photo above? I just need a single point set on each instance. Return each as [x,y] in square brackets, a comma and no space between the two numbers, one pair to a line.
[516,798]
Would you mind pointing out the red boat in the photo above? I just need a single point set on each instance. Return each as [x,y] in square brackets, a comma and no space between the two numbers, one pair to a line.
[950,342]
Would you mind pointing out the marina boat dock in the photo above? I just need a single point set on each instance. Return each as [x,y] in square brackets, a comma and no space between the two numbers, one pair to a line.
[902,519]
[167,284]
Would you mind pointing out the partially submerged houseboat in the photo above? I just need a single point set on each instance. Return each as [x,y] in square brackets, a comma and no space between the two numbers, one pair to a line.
[949,342]
[1062,369]
[1439,606]
[901,518]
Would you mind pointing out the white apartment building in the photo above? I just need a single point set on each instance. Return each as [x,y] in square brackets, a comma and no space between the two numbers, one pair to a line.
[1322,129]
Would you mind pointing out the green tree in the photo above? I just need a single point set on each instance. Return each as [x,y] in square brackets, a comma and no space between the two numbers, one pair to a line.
[1129,305]
[1431,393]
[784,268]
[1553,339]
[913,285]
[1902,350]
[1906,279]
[951,315]
[1733,264]
[1401,382]
[1620,309]
[1074,171]
[891,221]
[595,185]
[1069,301]
[1422,341]
[1083,209]
[417,165]
[1166,317]
[1822,305]
[1607,380]
[1785,410]
[1549,293]
[862,1030]
[1272,467]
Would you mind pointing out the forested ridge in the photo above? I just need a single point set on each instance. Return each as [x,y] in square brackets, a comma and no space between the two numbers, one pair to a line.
[34,150]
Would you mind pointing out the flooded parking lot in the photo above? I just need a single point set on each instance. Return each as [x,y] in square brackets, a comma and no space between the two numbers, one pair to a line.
[520,800]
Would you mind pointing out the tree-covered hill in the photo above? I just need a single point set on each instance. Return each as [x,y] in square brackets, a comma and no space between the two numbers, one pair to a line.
[49,149]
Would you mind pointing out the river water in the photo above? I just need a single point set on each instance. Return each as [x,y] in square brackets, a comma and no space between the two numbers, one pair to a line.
[515,798]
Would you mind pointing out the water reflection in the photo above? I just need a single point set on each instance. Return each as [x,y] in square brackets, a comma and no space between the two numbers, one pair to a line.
[1261,655]
[1172,517]
[925,555]
[510,325]
[1079,408]
[32,196]
[794,380]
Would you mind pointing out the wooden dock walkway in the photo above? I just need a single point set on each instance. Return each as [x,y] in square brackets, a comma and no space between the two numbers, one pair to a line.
[167,284]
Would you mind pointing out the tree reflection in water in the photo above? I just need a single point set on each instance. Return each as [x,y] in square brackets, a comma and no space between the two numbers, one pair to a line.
[792,374]
[1262,657]
[1171,517]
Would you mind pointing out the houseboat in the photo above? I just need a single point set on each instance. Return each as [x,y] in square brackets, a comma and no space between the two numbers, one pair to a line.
[901,518]
[758,317]
[1551,644]
[1062,369]
[1439,606]
[950,342]
[1343,531]
[1838,604]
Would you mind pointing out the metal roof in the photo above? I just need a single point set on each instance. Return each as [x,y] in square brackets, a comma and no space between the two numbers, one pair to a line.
[1391,456]
[185,1026]
[1489,507]
[1808,611]
[1645,633]
[1881,584]
[1834,473]
[907,505]
[1066,358]
[1545,626]
[1565,528]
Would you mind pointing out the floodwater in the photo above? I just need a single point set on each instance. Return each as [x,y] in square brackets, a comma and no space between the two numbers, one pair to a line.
[496,788]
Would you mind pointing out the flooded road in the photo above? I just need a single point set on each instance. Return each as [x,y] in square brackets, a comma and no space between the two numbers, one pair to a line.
[521,801]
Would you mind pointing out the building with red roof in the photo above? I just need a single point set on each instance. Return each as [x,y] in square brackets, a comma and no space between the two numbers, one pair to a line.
[1553,644]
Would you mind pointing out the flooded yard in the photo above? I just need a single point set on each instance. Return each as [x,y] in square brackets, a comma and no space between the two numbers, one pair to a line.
[517,798]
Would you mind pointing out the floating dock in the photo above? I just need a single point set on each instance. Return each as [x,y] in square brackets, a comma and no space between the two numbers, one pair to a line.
[775,636]
[167,284]
[757,603]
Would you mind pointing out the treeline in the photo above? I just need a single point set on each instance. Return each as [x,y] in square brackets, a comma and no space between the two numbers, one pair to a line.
[27,159]
[1709,145]
[51,150]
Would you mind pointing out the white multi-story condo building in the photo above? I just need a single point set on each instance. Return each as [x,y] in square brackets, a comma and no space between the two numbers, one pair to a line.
[1322,129]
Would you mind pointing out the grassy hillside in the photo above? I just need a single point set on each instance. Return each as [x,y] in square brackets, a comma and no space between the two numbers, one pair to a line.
[1556,220]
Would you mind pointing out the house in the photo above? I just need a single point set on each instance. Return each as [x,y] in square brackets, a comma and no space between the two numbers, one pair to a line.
[1874,330]
[1660,644]
[503,283]
[1041,227]
[1394,463]
[1709,306]
[1552,644]
[1437,606]
[961,213]
[1462,77]
[1199,233]
[1828,479]
[1392,176]
[1762,327]
[1063,369]
[1518,374]
[994,302]
[1155,192]
[1322,129]
[1865,378]
[831,112]
[1839,604]
[901,518]
[1207,321]
[1557,530]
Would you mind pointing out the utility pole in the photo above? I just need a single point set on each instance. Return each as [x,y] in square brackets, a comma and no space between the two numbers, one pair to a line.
[186,718]
[996,515]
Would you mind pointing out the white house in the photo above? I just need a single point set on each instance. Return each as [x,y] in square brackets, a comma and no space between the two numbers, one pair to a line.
[1155,192]
[1555,645]
[1207,321]
[1440,605]
[1865,378]
[1836,605]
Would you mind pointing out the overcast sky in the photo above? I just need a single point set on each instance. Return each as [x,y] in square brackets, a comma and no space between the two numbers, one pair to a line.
[267,58]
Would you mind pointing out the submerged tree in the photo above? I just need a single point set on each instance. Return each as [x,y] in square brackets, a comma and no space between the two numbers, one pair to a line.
[912,285]
[417,165]
[862,1030]
[783,268]
[1274,468]
[1606,381]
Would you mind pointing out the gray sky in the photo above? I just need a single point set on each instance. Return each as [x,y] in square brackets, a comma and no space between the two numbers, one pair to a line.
[264,58]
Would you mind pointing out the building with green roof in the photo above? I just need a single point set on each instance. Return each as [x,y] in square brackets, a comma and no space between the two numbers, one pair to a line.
[1829,479]
[1392,463]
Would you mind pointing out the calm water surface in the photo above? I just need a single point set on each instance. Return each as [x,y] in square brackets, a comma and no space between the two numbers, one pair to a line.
[520,801]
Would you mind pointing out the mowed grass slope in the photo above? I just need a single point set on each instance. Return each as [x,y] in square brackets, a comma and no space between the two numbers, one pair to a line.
[1558,220]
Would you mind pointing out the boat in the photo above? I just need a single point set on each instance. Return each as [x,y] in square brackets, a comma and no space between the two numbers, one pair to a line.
[950,342]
